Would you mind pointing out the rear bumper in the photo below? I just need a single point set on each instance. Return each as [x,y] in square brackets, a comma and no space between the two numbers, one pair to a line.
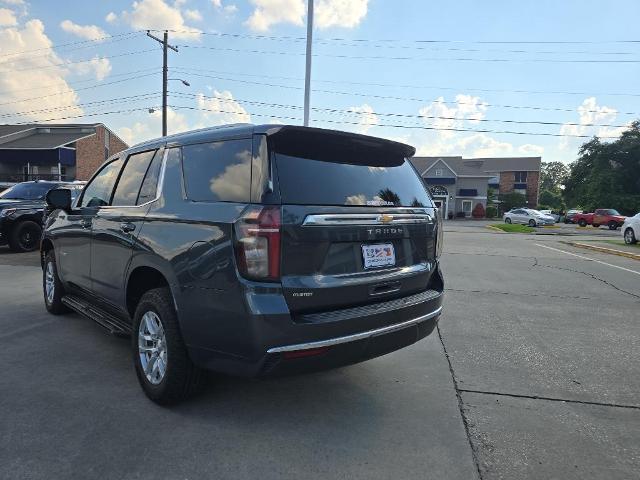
[277,343]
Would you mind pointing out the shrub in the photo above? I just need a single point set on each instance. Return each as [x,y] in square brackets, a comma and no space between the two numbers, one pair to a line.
[478,211]
[492,212]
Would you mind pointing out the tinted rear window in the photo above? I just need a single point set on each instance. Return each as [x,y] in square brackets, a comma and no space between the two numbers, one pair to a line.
[335,181]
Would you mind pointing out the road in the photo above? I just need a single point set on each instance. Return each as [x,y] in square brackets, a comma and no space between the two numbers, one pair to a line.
[534,372]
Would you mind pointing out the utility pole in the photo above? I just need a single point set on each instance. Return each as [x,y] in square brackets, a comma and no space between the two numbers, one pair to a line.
[165,45]
[307,75]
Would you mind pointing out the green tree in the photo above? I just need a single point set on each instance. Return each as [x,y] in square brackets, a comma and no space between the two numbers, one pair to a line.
[607,175]
[553,176]
[512,200]
[551,199]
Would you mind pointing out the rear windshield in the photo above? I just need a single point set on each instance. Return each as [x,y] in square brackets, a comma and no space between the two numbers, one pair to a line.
[335,181]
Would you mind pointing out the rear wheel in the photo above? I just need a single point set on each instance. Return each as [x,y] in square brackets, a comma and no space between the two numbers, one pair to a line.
[52,286]
[165,371]
[613,225]
[582,222]
[596,225]
[507,220]
[630,237]
[25,236]
[532,223]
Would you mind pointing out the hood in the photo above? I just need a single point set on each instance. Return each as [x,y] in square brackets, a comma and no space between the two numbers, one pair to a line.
[12,203]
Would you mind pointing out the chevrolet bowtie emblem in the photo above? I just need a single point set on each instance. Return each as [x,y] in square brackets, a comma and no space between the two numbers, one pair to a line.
[384,218]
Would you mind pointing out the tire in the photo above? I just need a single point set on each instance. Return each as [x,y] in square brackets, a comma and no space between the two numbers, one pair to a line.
[582,222]
[25,236]
[181,378]
[630,237]
[532,223]
[596,225]
[52,298]
[613,225]
[507,220]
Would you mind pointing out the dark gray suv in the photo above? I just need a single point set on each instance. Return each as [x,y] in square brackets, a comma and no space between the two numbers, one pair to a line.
[249,250]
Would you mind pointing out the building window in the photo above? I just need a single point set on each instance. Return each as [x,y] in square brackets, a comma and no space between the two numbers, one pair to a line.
[520,177]
[438,172]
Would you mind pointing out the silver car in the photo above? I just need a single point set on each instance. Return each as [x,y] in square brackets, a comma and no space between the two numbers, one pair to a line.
[528,216]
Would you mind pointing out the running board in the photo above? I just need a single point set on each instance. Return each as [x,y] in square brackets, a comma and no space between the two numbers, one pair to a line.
[113,324]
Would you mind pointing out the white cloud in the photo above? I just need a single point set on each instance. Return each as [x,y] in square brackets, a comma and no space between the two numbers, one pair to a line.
[157,14]
[99,67]
[230,9]
[272,12]
[340,13]
[152,128]
[327,13]
[111,17]
[530,149]
[194,15]
[445,118]
[7,18]
[217,3]
[33,71]
[589,113]
[88,32]
[221,108]
[366,117]
[13,2]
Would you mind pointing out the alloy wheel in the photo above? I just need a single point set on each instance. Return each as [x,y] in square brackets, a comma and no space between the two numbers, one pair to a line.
[628,236]
[49,282]
[152,347]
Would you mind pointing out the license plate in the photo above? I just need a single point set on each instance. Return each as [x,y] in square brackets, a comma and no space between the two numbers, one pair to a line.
[380,255]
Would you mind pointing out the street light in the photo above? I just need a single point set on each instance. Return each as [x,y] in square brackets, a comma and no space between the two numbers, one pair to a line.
[184,82]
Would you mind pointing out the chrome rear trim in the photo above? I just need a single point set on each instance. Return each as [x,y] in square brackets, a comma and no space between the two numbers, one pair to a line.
[366,219]
[356,336]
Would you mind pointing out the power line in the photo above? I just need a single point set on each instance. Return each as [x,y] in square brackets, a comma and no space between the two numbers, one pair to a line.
[413,127]
[412,58]
[411,99]
[95,114]
[63,64]
[89,87]
[398,115]
[472,89]
[61,45]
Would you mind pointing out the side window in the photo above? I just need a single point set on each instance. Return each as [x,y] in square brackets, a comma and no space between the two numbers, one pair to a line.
[150,183]
[219,171]
[98,192]
[131,178]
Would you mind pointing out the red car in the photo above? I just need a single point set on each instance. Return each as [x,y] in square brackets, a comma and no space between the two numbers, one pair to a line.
[602,216]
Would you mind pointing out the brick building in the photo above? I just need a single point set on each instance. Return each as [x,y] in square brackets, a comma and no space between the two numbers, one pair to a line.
[458,184]
[54,151]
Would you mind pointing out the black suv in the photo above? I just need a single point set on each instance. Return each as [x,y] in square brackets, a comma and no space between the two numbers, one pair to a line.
[21,210]
[249,250]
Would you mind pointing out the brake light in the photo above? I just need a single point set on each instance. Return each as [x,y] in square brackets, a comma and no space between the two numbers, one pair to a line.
[258,243]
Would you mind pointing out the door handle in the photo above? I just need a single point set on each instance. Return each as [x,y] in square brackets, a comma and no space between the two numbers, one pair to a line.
[127,227]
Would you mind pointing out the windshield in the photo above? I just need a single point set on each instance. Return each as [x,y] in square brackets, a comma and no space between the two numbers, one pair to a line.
[28,191]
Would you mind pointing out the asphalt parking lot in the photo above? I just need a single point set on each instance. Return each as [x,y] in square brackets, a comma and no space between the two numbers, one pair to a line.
[534,373]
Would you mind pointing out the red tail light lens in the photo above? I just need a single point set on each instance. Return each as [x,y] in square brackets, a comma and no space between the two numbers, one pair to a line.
[258,243]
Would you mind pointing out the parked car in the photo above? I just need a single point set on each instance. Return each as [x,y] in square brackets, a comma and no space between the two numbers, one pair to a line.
[249,250]
[631,229]
[568,218]
[549,213]
[601,216]
[527,216]
[21,212]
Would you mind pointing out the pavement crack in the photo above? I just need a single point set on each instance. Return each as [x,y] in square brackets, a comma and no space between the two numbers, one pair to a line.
[465,420]
[591,275]
[496,292]
[551,399]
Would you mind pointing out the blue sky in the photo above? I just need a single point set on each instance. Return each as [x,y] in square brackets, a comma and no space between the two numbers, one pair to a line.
[376,64]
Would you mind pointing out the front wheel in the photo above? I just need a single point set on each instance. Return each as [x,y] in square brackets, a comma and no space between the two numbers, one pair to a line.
[613,226]
[630,237]
[507,220]
[52,286]
[25,236]
[532,223]
[582,222]
[165,372]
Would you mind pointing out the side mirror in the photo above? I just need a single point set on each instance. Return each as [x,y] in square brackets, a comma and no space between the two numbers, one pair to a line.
[59,198]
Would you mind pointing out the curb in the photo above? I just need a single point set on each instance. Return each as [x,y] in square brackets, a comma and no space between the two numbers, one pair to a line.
[611,251]
[494,229]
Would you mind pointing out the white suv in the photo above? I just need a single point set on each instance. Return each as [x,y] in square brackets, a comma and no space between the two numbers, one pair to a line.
[631,229]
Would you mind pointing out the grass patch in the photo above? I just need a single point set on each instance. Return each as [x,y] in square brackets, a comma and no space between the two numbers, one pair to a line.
[513,228]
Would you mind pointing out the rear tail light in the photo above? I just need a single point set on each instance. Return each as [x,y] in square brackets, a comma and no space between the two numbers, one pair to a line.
[257,243]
